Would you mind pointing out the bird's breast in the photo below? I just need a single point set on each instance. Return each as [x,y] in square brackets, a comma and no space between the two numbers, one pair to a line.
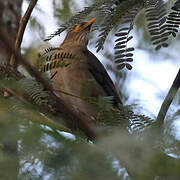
[76,80]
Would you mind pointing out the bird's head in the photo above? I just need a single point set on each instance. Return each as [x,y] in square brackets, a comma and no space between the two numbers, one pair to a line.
[78,36]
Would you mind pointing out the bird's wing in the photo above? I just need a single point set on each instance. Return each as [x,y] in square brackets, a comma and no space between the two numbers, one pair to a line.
[102,77]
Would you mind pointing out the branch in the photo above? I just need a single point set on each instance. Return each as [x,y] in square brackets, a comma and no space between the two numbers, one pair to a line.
[22,26]
[32,71]
[168,100]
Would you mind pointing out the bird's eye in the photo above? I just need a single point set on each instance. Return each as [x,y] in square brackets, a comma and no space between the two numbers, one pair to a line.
[76,27]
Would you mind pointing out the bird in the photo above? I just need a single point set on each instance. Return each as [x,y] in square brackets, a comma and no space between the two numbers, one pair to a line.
[68,82]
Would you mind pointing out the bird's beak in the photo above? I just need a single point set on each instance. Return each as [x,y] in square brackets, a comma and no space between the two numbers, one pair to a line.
[88,24]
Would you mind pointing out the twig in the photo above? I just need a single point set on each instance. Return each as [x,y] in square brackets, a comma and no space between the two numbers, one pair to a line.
[22,26]
[13,93]
[168,100]
[87,99]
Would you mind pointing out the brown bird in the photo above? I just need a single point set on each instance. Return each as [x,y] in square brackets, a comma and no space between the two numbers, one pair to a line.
[84,69]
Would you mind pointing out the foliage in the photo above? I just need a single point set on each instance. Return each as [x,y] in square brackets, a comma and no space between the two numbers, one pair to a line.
[129,145]
[50,154]
[51,59]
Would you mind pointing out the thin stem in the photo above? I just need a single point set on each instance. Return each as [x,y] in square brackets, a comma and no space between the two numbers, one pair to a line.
[16,95]
[168,100]
[88,99]
[22,27]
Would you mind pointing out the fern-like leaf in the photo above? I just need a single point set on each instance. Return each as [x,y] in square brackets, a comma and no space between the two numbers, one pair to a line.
[111,19]
[156,16]
[173,19]
[53,58]
[123,53]
[48,51]
[75,19]
[78,18]
[7,71]
[139,123]
[35,91]
[59,63]
[115,15]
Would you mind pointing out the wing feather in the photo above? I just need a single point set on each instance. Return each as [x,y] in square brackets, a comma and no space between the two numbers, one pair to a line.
[102,77]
